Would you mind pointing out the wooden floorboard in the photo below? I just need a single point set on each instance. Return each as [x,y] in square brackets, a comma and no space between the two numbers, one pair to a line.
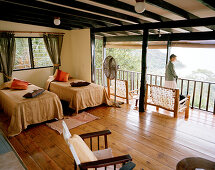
[154,140]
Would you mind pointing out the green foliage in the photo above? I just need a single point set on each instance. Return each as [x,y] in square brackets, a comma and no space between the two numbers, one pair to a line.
[202,74]
[40,54]
[127,59]
[22,59]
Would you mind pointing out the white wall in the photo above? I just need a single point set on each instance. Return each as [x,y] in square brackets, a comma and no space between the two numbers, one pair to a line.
[75,56]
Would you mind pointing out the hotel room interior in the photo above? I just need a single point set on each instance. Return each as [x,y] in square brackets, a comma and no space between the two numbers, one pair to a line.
[58,110]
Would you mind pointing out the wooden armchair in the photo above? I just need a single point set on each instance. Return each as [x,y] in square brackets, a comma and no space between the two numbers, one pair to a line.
[166,98]
[122,89]
[99,163]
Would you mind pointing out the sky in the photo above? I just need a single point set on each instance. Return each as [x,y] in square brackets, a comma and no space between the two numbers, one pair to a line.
[194,58]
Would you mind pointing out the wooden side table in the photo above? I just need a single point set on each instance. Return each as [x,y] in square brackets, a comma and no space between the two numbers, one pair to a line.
[193,163]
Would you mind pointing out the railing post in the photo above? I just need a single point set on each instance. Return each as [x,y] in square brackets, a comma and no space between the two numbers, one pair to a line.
[188,86]
[194,91]
[208,97]
[131,79]
[214,107]
[181,86]
[200,97]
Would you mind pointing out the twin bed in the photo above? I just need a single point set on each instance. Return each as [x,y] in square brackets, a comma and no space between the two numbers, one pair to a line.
[78,97]
[24,112]
[47,106]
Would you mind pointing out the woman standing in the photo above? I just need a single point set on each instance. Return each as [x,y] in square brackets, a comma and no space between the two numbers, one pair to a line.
[170,74]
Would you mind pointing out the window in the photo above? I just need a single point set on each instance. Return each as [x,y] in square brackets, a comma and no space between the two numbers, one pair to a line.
[31,53]
[40,54]
[22,59]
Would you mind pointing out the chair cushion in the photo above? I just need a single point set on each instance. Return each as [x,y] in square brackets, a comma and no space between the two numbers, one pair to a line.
[82,150]
[19,84]
[103,154]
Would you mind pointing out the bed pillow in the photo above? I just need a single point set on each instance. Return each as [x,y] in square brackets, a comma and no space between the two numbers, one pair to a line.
[19,84]
[79,84]
[82,150]
[34,93]
[6,85]
[62,76]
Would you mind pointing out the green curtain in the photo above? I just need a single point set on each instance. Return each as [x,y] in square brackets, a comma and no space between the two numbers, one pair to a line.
[7,54]
[53,45]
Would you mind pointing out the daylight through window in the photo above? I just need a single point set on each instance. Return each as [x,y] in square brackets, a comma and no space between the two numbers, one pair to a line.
[31,53]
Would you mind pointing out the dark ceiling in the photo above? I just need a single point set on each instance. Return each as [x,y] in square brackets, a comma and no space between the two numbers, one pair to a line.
[100,13]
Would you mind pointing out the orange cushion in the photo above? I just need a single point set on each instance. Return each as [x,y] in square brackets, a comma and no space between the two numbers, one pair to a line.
[19,84]
[62,76]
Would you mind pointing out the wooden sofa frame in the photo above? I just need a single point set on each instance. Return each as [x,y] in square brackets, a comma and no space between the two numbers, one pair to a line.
[185,102]
[99,163]
[127,92]
[104,162]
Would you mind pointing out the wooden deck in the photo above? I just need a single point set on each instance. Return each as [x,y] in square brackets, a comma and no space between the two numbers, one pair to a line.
[154,140]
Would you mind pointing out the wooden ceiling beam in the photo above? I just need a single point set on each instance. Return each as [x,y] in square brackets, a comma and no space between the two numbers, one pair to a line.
[146,13]
[174,9]
[209,3]
[169,24]
[32,22]
[17,13]
[37,8]
[210,35]
[43,13]
[91,8]
[62,11]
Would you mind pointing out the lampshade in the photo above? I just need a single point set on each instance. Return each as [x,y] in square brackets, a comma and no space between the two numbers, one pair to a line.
[57,20]
[139,6]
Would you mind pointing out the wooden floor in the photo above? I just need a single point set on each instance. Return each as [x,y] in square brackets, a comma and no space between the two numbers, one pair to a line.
[154,140]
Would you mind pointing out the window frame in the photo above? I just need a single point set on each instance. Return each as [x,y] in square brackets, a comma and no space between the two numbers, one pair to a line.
[31,56]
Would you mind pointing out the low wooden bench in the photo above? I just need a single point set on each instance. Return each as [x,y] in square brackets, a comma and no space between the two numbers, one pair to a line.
[166,98]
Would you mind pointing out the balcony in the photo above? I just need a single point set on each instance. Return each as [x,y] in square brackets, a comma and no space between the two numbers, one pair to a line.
[202,93]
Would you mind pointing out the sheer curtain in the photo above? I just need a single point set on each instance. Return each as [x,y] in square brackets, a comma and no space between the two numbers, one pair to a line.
[53,45]
[7,54]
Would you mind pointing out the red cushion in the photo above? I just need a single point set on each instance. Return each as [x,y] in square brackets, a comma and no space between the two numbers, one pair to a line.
[19,84]
[62,76]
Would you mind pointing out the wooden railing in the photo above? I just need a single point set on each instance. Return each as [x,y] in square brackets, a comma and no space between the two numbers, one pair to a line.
[202,93]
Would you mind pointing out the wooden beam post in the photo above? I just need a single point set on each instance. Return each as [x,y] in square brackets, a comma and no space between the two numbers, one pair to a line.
[168,51]
[103,57]
[93,65]
[143,70]
[159,25]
